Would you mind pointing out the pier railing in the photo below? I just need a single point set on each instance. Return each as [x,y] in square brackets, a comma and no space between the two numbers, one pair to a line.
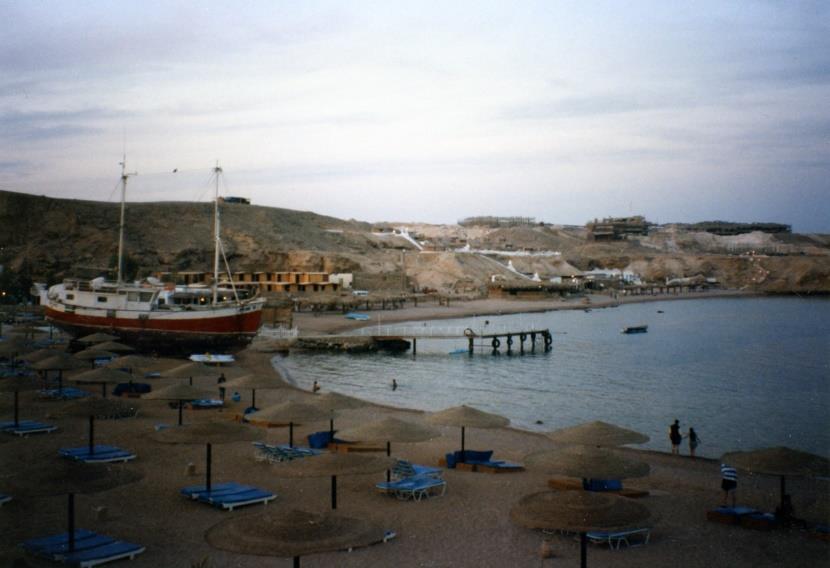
[435,332]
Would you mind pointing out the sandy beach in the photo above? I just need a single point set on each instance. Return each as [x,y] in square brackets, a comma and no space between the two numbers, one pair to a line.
[310,323]
[469,526]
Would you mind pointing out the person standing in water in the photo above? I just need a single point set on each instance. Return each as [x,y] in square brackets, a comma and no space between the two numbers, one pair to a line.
[694,441]
[394,384]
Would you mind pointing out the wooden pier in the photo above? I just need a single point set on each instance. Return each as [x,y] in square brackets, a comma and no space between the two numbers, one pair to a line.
[512,340]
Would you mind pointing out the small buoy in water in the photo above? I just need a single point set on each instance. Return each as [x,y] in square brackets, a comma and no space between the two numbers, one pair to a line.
[539,422]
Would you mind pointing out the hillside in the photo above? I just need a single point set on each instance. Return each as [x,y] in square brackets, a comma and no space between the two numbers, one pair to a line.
[48,239]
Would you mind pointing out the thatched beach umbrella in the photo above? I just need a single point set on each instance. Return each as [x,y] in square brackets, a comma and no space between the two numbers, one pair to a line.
[15,385]
[114,346]
[100,408]
[780,461]
[293,534]
[48,476]
[289,412]
[13,347]
[59,362]
[390,430]
[103,376]
[597,433]
[333,402]
[92,354]
[332,464]
[98,337]
[39,355]
[208,433]
[140,363]
[253,382]
[179,392]
[586,462]
[465,416]
[578,511]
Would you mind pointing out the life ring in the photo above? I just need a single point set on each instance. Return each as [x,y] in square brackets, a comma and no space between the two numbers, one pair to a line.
[548,340]
[496,343]
[469,333]
[509,341]
[522,337]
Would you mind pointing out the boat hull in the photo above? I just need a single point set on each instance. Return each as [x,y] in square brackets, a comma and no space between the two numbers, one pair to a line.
[169,333]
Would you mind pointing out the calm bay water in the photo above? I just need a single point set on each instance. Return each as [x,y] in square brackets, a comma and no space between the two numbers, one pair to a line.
[745,373]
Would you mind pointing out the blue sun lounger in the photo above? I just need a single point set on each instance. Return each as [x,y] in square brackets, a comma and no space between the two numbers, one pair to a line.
[404,469]
[65,393]
[26,427]
[91,549]
[206,403]
[284,452]
[4,499]
[415,488]
[100,454]
[229,495]
[618,538]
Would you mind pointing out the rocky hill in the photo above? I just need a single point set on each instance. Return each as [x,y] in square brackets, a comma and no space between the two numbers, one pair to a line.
[47,239]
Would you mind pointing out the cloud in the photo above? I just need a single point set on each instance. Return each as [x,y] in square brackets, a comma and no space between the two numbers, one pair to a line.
[40,126]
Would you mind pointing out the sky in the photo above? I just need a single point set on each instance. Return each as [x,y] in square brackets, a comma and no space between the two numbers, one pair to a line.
[427,111]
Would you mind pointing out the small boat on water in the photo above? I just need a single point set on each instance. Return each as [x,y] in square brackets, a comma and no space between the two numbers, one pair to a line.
[635,329]
[357,316]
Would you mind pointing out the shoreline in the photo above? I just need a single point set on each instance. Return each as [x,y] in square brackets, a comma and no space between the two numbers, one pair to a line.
[331,323]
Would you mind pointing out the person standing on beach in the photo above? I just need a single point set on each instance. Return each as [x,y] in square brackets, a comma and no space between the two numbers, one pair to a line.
[729,482]
[315,387]
[219,381]
[675,437]
[694,441]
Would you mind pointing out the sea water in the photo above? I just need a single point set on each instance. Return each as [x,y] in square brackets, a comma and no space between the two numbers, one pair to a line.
[745,373]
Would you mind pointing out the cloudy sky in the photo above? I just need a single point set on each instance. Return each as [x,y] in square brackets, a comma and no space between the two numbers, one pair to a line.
[427,111]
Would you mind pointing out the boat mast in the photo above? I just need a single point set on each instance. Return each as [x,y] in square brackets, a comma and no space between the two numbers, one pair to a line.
[217,170]
[124,176]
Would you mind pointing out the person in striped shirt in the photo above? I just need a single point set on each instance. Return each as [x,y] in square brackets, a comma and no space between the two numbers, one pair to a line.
[729,482]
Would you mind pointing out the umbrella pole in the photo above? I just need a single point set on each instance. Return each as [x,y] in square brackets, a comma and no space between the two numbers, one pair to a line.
[91,434]
[333,492]
[253,399]
[388,453]
[16,408]
[462,444]
[296,562]
[207,468]
[583,550]
[191,380]
[60,382]
[104,389]
[783,490]
[331,430]
[71,514]
[181,403]
[290,434]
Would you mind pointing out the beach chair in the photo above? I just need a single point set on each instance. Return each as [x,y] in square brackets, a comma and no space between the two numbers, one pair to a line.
[99,454]
[4,499]
[474,460]
[321,440]
[229,495]
[91,549]
[26,427]
[729,515]
[415,488]
[206,403]
[65,393]
[404,469]
[283,452]
[640,537]
[614,486]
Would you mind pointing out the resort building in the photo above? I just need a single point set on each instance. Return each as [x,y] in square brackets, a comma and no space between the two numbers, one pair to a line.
[270,283]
